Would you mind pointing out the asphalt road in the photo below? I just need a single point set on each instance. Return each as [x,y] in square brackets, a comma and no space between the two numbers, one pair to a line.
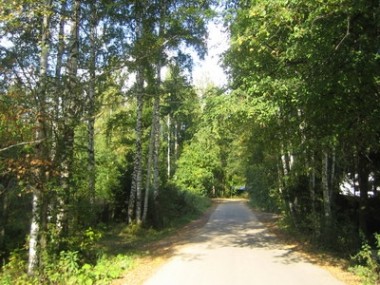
[234,248]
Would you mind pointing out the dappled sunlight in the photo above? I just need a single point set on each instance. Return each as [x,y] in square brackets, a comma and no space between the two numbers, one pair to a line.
[235,247]
[238,229]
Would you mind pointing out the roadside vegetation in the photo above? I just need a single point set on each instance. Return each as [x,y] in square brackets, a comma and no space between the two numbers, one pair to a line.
[101,255]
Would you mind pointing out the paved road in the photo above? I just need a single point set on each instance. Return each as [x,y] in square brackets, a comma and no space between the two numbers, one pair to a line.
[234,248]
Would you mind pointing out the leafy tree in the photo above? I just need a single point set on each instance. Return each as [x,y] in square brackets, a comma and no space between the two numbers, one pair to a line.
[296,62]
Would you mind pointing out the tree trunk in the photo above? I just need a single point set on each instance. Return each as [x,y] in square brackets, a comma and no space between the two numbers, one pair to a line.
[91,106]
[34,232]
[332,172]
[37,228]
[153,147]
[315,223]
[156,133]
[58,85]
[312,184]
[135,199]
[285,174]
[156,106]
[285,158]
[3,218]
[168,152]
[69,112]
[56,155]
[148,176]
[134,204]
[176,145]
[326,190]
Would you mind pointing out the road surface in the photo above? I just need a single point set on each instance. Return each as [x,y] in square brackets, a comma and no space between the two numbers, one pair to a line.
[234,248]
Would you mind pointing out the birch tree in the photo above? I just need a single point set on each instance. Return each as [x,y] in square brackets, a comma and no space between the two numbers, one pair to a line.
[135,202]
[164,25]
[36,241]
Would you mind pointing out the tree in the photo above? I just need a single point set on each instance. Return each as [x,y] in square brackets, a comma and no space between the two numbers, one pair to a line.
[202,164]
[297,63]
[162,26]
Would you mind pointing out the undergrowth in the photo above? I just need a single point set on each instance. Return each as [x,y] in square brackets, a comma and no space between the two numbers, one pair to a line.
[67,269]
[99,256]
[368,263]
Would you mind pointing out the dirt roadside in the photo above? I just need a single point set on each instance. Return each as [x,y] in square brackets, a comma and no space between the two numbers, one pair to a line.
[159,252]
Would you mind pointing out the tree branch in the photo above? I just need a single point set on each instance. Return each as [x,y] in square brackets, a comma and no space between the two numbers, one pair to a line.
[346,35]
[19,144]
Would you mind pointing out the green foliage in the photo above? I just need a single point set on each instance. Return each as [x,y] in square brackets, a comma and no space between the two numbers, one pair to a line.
[305,73]
[59,104]
[14,271]
[177,205]
[66,269]
[207,164]
[368,263]
[84,243]
[258,185]
[198,166]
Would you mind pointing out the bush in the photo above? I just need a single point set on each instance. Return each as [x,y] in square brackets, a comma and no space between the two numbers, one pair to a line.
[175,203]
[14,272]
[67,269]
[368,266]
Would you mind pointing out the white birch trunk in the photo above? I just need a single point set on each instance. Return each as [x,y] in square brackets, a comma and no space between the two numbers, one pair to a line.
[57,155]
[34,234]
[69,113]
[134,203]
[35,227]
[285,164]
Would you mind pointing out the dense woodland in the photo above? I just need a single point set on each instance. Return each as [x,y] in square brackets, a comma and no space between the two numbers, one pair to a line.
[100,123]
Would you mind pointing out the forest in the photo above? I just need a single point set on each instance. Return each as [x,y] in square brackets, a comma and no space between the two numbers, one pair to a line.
[101,124]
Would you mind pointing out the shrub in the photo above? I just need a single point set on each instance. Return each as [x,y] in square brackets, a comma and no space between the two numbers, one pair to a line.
[67,270]
[14,271]
[175,204]
[368,266]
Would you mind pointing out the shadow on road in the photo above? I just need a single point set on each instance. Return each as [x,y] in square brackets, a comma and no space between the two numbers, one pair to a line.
[234,225]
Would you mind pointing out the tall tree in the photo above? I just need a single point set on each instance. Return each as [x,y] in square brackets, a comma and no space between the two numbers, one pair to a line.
[298,64]
[135,202]
[38,213]
[91,111]
[164,26]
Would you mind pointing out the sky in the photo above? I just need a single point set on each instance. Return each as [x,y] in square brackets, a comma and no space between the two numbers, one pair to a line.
[209,70]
